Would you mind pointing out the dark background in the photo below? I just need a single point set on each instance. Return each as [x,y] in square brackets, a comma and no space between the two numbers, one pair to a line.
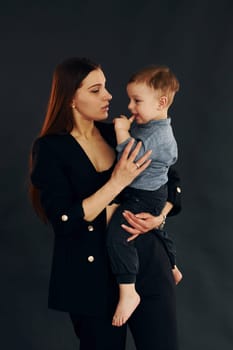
[194,38]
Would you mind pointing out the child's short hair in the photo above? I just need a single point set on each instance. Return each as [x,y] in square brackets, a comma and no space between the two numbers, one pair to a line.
[159,78]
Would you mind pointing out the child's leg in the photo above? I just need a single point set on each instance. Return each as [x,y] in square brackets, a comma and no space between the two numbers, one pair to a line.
[171,251]
[123,254]
[124,263]
[128,302]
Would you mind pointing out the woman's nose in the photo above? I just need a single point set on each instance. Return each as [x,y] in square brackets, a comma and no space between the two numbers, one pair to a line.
[108,96]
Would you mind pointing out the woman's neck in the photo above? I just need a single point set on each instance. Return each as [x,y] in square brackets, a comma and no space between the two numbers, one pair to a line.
[83,129]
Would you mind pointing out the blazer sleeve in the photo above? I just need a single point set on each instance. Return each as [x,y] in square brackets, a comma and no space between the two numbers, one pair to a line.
[174,191]
[63,211]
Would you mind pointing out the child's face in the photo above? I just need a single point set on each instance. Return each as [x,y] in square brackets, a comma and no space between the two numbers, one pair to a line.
[145,102]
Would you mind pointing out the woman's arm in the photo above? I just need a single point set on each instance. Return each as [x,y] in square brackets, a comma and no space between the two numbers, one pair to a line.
[144,222]
[65,213]
[61,209]
[174,191]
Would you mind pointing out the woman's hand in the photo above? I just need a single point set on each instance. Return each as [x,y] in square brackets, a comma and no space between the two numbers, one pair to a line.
[126,169]
[140,223]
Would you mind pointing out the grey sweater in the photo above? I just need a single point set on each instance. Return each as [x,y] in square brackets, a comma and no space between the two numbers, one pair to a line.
[156,135]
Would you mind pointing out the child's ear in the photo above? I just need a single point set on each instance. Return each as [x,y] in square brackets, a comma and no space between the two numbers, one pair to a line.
[163,100]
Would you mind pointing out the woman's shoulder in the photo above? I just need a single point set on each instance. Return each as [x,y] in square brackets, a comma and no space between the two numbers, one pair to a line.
[50,140]
[56,143]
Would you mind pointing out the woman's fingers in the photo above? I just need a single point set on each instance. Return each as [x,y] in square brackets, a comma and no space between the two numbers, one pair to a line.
[130,156]
[140,168]
[135,151]
[127,150]
[143,161]
[136,223]
[126,169]
[143,215]
[129,229]
[150,220]
[132,237]
[141,222]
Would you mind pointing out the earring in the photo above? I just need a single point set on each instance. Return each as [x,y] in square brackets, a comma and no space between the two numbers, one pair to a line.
[73,106]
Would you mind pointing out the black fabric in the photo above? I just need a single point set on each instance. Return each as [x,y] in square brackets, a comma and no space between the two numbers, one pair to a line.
[153,324]
[64,175]
[123,254]
[96,333]
[168,245]
[174,191]
[194,38]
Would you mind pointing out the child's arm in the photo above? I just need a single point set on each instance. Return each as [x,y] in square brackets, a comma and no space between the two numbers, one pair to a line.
[122,126]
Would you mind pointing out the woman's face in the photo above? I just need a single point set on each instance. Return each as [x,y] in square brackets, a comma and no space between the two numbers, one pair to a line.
[91,100]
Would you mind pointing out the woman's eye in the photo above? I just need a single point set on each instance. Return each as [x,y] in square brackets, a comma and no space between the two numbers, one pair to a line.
[95,91]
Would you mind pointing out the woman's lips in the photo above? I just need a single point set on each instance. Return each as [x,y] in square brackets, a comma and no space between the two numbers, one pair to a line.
[106,108]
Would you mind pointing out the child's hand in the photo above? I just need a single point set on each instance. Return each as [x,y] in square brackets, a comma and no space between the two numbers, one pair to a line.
[123,122]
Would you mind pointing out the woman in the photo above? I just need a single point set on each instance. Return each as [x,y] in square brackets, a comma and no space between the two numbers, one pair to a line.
[74,178]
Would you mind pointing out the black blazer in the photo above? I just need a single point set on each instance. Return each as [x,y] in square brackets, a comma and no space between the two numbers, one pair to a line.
[81,280]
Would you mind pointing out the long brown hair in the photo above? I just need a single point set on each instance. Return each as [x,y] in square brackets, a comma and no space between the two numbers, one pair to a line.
[67,78]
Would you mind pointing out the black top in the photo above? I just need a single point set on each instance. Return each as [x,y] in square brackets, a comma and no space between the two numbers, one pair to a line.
[81,280]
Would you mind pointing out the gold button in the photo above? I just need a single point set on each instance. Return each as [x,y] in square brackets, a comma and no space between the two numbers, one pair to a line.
[64,217]
[178,189]
[90,228]
[90,258]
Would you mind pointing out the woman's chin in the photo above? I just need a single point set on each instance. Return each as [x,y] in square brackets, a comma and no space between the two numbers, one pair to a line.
[104,117]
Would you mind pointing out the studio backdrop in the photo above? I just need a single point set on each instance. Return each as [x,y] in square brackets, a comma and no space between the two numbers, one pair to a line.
[194,38]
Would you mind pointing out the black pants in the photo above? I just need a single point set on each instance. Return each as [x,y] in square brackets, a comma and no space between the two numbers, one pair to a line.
[153,324]
[123,255]
[97,333]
